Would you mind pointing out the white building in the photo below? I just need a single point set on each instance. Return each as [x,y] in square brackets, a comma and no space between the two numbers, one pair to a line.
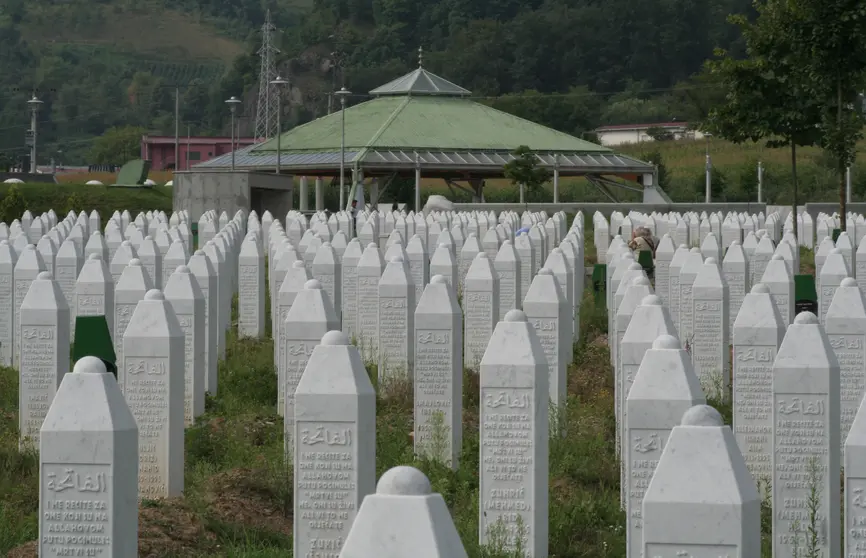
[622,134]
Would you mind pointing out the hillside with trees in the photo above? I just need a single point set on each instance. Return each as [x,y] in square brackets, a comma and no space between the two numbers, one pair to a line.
[572,65]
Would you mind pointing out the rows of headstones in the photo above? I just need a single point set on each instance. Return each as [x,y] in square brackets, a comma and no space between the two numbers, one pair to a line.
[520,288]
[797,380]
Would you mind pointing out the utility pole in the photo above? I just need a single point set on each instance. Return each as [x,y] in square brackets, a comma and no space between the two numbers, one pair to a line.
[233,107]
[760,181]
[343,93]
[34,103]
[709,171]
[176,129]
[278,84]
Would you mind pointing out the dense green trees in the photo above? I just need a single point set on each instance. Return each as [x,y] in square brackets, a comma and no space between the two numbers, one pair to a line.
[799,83]
[570,64]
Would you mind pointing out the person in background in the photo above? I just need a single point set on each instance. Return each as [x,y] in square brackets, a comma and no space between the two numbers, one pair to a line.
[642,241]
[395,207]
[354,208]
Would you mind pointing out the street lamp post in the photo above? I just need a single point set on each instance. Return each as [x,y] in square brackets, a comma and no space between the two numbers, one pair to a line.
[709,171]
[34,105]
[233,106]
[279,82]
[342,93]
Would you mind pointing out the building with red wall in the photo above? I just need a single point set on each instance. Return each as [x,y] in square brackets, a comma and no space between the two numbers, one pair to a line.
[159,150]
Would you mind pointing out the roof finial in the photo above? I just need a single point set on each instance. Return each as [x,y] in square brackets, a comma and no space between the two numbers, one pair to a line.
[420,57]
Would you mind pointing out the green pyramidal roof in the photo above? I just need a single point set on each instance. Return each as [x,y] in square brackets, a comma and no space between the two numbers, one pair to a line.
[411,122]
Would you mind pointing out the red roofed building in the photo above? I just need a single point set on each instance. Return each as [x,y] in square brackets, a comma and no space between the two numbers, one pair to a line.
[622,134]
[159,150]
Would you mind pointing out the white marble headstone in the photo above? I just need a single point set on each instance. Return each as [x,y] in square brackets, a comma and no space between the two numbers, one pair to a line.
[44,333]
[805,396]
[514,405]
[89,468]
[152,381]
[335,405]
[438,375]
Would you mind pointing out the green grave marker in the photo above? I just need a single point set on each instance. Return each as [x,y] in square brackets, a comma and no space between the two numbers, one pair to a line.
[92,338]
[805,294]
[599,282]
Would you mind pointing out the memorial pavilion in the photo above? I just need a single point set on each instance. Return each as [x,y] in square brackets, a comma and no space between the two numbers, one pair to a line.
[421,124]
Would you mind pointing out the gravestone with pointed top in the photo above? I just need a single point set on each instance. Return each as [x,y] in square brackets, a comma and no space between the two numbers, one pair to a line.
[220,267]
[701,500]
[664,255]
[48,251]
[664,388]
[293,283]
[649,320]
[471,248]
[419,265]
[442,262]
[855,483]
[8,259]
[88,461]
[711,348]
[760,258]
[514,406]
[735,270]
[805,397]
[507,267]
[758,332]
[124,254]
[308,320]
[528,262]
[480,308]
[403,518]
[370,268]
[547,310]
[326,268]
[131,287]
[781,285]
[834,271]
[200,266]
[438,374]
[349,293]
[251,289]
[152,381]
[396,320]
[44,333]
[175,256]
[634,271]
[691,267]
[94,291]
[187,301]
[151,258]
[27,268]
[558,264]
[845,324]
[674,282]
[335,404]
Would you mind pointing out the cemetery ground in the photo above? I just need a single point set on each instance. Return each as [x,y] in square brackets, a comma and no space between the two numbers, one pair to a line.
[238,493]
[238,497]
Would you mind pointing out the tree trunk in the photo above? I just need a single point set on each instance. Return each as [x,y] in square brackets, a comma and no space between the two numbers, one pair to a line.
[794,184]
[840,170]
